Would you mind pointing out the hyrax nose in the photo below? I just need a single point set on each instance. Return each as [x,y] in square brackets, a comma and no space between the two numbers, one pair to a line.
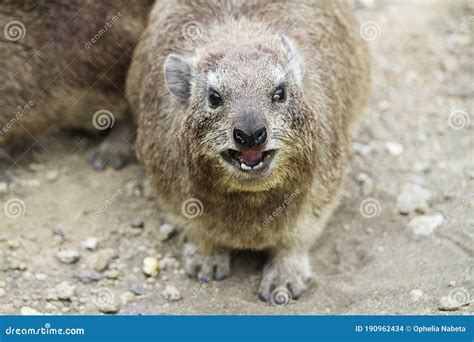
[250,138]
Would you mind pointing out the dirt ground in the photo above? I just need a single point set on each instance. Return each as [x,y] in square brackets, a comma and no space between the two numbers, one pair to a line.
[371,259]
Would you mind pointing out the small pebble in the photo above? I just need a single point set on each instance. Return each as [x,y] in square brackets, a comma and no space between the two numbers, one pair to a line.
[425,225]
[112,274]
[90,243]
[166,231]
[41,276]
[361,149]
[52,175]
[3,187]
[171,293]
[127,297]
[151,266]
[366,182]
[65,290]
[415,295]
[101,261]
[137,289]
[109,309]
[87,277]
[137,223]
[449,304]
[168,263]
[68,256]
[393,148]
[452,283]
[413,198]
[2,292]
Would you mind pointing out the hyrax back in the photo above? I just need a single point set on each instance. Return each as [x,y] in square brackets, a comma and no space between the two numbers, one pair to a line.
[244,111]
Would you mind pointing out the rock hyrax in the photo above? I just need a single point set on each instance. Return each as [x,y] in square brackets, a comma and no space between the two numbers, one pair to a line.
[244,110]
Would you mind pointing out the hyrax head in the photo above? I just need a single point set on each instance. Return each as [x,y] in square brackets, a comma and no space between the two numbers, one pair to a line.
[242,127]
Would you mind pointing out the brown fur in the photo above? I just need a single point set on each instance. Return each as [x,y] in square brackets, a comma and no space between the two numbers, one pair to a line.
[49,78]
[178,143]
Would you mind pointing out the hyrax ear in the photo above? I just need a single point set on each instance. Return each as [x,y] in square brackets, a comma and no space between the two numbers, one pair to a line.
[178,75]
[294,58]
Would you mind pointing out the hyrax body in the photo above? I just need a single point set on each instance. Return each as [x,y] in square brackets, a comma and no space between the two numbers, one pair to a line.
[244,109]
[62,61]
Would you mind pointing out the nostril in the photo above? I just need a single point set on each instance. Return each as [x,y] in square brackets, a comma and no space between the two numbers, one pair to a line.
[240,137]
[261,136]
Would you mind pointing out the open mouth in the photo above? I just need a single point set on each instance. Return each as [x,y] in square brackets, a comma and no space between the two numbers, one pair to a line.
[249,161]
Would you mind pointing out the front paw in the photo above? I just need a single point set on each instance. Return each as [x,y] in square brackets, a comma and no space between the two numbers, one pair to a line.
[285,277]
[205,267]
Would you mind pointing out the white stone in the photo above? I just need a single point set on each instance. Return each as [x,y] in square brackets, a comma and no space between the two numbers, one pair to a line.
[413,198]
[68,256]
[65,290]
[171,293]
[426,224]
[395,149]
[151,266]
[90,243]
[415,295]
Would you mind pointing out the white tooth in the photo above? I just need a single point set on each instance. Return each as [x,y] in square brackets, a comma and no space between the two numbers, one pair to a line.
[245,167]
[258,166]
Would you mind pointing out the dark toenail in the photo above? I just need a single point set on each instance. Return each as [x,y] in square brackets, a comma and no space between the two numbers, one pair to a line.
[263,297]
[219,276]
[203,279]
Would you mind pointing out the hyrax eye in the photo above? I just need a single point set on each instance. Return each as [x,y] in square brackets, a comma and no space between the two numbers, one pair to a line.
[279,94]
[215,99]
